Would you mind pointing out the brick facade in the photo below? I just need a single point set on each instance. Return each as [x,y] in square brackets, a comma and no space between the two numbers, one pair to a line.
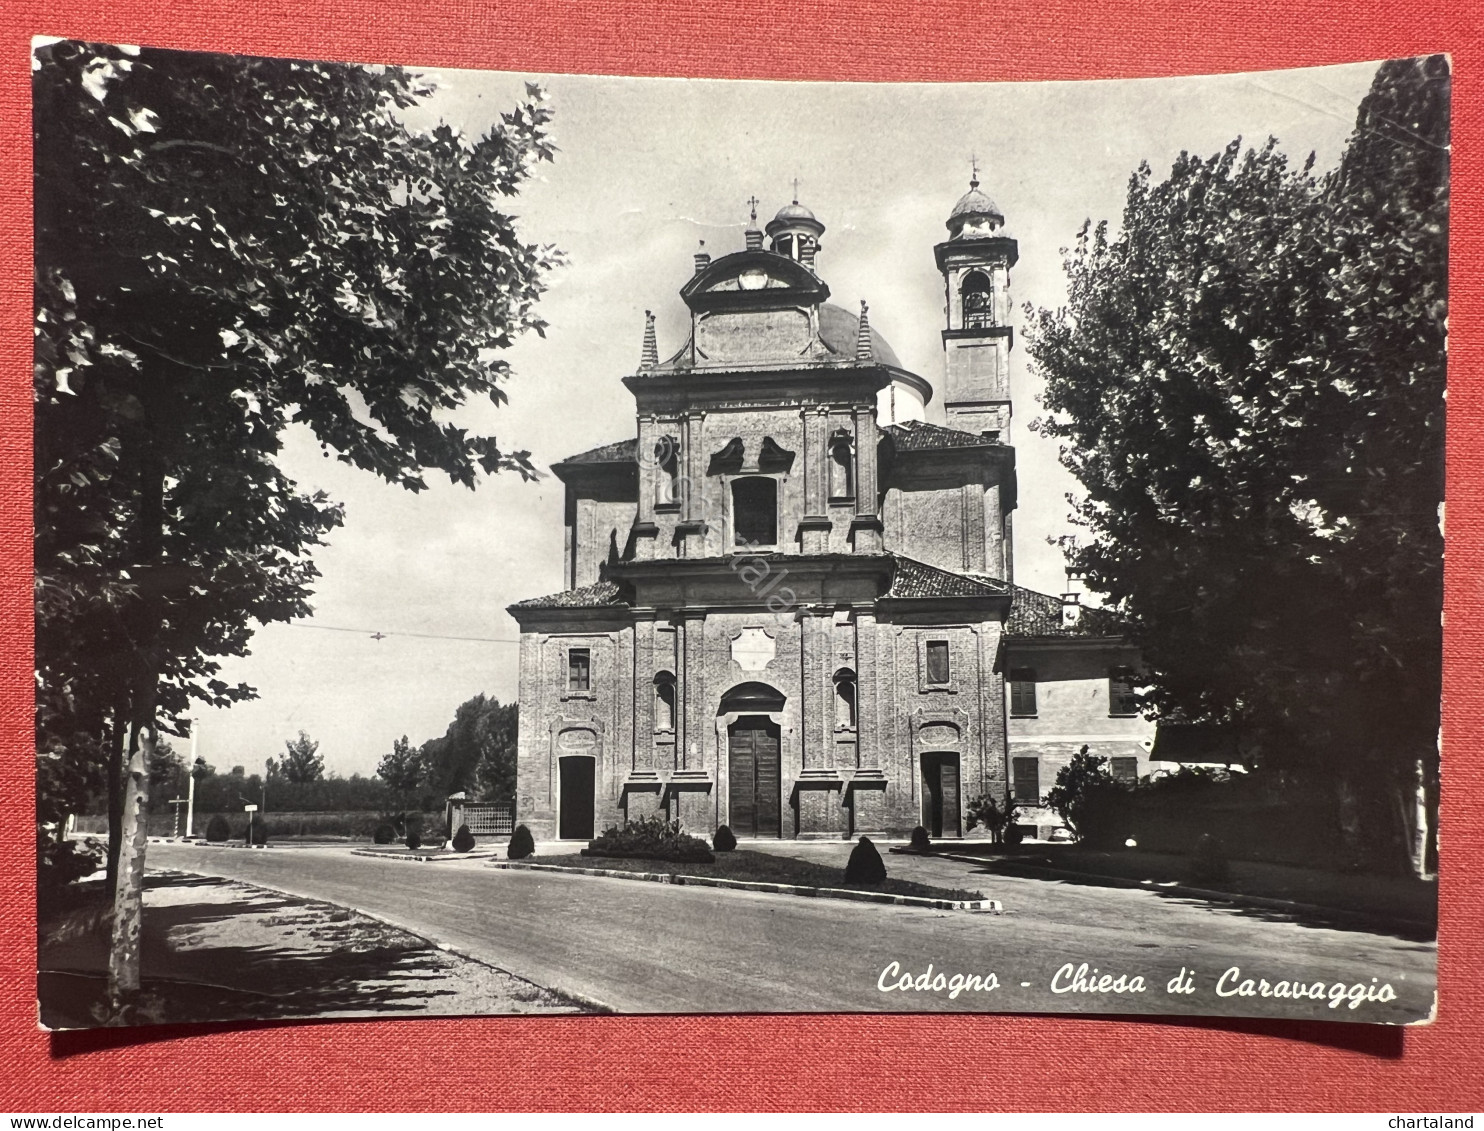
[782,615]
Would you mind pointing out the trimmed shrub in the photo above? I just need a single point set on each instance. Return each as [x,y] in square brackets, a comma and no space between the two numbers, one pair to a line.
[920,839]
[723,840]
[864,865]
[413,840]
[522,844]
[651,838]
[463,840]
[217,829]
[257,833]
[384,834]
[1014,834]
[1208,863]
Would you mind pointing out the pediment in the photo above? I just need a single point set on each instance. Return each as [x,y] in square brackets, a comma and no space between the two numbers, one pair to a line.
[756,279]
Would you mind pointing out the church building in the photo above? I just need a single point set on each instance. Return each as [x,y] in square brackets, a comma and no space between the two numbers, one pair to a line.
[784,616]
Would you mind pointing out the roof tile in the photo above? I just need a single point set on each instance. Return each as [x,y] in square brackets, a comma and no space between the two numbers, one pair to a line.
[1040,614]
[596,595]
[920,436]
[621,451]
[915,579]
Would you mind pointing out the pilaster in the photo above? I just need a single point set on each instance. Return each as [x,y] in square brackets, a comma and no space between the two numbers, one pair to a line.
[866,528]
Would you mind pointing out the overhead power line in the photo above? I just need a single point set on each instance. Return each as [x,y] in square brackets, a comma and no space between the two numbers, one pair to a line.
[377,634]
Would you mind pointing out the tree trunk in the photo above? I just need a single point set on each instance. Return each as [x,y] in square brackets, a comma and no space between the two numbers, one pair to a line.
[114,767]
[128,897]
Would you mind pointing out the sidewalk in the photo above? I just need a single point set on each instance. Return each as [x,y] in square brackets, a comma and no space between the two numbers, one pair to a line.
[218,950]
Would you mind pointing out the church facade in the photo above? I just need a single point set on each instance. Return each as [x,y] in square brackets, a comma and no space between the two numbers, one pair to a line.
[787,617]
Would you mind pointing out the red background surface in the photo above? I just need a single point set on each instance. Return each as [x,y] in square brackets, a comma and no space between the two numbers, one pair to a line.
[958,1063]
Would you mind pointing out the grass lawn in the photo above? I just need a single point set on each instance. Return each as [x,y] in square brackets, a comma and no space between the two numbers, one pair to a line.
[1403,900]
[760,867]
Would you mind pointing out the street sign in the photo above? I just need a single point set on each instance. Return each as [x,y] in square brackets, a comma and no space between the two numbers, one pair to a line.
[249,808]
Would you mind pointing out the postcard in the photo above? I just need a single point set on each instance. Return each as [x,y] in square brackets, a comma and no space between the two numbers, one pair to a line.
[565,544]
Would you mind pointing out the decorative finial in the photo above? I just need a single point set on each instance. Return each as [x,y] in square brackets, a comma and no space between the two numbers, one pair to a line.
[974,176]
[651,354]
[863,350]
[754,201]
[796,190]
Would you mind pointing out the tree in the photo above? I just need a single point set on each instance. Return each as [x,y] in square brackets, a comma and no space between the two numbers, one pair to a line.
[996,817]
[477,752]
[402,769]
[166,767]
[301,760]
[1248,380]
[1076,783]
[226,246]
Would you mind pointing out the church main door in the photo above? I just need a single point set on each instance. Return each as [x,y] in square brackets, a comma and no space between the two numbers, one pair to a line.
[753,793]
[940,798]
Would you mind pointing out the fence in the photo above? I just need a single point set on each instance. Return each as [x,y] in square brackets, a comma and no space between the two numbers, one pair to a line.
[489,818]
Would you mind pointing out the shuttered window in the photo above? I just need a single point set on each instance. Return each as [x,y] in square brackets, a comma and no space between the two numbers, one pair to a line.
[1026,780]
[1124,769]
[1023,692]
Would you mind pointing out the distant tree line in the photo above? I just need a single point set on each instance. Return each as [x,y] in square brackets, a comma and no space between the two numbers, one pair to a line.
[476,755]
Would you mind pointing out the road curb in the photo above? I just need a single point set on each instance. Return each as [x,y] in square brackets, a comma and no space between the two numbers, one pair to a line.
[457,951]
[982,905]
[1185,891]
[420,857]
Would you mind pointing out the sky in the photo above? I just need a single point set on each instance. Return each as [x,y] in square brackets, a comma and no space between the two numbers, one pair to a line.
[646,168]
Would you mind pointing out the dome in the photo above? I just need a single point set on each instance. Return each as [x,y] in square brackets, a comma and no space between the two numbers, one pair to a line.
[974,205]
[794,218]
[792,212]
[838,328]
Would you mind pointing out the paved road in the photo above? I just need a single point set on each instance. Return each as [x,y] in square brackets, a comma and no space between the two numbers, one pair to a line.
[653,948]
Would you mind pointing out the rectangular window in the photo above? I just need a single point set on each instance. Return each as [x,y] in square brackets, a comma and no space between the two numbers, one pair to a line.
[1121,695]
[1124,769]
[1023,693]
[937,661]
[755,511]
[579,669]
[1025,782]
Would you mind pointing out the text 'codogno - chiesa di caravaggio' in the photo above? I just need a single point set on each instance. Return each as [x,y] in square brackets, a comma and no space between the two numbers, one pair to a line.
[784,616]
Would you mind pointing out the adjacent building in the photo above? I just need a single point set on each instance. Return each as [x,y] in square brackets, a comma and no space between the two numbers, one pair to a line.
[784,616]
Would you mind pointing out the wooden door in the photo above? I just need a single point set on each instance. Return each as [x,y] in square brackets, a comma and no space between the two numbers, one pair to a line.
[575,822]
[754,804]
[940,794]
[948,787]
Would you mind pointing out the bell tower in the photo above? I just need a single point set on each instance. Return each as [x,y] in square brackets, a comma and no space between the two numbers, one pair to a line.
[975,262]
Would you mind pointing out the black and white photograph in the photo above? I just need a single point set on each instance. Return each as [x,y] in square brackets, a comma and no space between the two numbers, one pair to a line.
[563,544]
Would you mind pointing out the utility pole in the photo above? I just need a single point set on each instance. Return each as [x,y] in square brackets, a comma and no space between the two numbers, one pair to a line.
[191,785]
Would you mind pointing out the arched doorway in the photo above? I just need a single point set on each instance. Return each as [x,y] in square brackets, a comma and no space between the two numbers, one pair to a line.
[754,778]
[940,794]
